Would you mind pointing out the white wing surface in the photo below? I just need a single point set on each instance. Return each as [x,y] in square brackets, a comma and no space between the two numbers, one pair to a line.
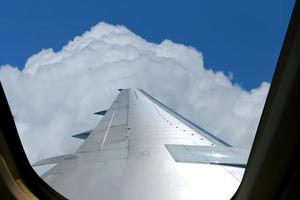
[143,150]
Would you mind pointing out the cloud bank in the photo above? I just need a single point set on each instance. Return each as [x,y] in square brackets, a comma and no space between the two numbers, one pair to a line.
[55,94]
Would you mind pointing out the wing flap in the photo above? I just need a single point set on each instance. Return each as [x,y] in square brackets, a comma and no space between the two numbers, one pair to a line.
[112,128]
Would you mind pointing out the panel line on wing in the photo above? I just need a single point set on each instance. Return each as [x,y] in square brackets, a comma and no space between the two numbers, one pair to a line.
[107,130]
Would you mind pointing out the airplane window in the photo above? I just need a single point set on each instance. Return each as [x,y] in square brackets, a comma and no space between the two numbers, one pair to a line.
[159,100]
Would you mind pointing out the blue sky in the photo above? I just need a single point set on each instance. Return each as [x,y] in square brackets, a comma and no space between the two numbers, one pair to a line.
[239,37]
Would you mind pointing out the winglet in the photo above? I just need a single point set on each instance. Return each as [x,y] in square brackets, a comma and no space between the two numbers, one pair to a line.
[100,112]
[83,135]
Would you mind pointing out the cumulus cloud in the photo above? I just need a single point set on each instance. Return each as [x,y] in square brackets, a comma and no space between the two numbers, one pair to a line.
[55,94]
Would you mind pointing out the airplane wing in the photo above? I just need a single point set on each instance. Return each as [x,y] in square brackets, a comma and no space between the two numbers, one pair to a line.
[142,149]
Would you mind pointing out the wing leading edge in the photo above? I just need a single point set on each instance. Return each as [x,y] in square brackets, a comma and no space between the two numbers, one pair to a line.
[141,149]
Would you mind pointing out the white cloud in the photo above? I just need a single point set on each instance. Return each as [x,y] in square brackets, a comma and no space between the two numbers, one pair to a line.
[54,96]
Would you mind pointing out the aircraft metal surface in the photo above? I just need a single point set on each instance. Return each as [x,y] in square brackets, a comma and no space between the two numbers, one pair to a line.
[141,149]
